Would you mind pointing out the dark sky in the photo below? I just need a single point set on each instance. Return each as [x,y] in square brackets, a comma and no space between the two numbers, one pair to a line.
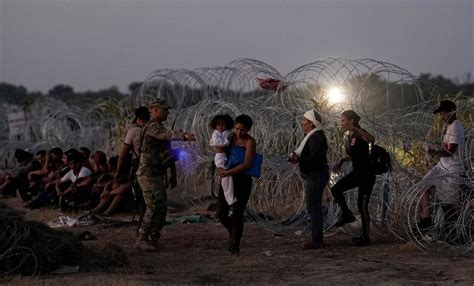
[94,44]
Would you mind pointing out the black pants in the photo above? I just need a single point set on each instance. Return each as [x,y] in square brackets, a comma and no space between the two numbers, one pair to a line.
[235,223]
[21,184]
[314,184]
[365,182]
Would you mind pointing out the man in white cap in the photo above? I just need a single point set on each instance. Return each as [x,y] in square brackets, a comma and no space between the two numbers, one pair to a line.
[446,176]
[311,156]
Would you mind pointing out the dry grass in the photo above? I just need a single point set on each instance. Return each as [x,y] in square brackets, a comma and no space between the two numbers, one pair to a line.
[196,254]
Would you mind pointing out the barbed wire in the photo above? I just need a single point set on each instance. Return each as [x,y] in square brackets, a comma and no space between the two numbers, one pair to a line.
[393,104]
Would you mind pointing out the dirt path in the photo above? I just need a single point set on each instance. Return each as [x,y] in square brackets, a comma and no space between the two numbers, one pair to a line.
[196,254]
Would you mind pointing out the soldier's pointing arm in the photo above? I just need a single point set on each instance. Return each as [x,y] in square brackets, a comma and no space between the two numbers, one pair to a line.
[161,133]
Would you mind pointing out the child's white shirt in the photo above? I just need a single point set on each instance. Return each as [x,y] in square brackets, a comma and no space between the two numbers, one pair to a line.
[220,139]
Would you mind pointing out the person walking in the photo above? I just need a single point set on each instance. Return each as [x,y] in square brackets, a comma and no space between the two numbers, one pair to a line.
[242,183]
[311,156]
[362,175]
[155,158]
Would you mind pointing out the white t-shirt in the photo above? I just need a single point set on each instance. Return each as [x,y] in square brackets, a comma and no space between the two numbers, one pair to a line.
[131,137]
[220,139]
[454,135]
[70,176]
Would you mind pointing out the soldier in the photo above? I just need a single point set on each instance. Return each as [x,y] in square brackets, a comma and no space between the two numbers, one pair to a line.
[155,158]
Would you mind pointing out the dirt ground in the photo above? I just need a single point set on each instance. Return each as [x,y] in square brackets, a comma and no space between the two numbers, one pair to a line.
[196,254]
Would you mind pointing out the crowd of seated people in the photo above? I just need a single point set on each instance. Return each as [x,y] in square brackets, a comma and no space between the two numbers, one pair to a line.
[73,180]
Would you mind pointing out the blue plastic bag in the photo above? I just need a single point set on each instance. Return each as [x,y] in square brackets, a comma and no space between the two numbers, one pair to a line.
[237,156]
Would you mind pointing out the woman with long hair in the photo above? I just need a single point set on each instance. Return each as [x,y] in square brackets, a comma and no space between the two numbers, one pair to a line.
[362,176]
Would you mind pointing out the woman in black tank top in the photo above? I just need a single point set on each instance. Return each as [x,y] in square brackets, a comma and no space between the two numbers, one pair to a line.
[357,149]
[234,223]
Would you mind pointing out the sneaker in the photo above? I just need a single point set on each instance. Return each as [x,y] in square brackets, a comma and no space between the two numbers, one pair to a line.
[361,240]
[344,219]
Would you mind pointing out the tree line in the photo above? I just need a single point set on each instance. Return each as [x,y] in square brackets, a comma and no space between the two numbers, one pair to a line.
[19,95]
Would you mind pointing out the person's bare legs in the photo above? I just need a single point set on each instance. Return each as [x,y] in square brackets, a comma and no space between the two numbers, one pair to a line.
[102,204]
[116,195]
[115,202]
[425,215]
[424,202]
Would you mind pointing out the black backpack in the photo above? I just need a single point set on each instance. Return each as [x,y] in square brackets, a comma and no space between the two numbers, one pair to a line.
[380,160]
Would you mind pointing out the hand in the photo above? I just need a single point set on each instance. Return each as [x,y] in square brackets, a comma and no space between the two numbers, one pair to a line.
[222,173]
[105,194]
[293,158]
[189,136]
[173,182]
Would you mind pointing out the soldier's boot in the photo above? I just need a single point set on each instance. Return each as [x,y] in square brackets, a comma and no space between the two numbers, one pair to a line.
[144,244]
[154,240]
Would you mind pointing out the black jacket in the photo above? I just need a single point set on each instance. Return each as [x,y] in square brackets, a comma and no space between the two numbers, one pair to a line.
[313,157]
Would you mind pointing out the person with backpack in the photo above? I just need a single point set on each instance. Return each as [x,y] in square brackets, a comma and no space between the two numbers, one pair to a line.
[362,175]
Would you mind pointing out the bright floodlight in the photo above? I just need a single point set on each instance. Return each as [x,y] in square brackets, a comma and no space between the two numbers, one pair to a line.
[335,95]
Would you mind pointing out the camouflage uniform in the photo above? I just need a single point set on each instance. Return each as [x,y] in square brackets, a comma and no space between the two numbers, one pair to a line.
[155,158]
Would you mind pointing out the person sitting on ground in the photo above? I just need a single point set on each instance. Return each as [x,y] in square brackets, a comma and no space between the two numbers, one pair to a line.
[74,188]
[99,163]
[99,167]
[86,155]
[43,158]
[18,178]
[56,169]
[35,177]
[102,180]
[116,196]
[55,165]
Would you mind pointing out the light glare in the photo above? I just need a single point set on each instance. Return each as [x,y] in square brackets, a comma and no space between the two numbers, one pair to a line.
[335,95]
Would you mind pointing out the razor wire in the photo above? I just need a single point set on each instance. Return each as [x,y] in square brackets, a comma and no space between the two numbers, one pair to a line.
[394,106]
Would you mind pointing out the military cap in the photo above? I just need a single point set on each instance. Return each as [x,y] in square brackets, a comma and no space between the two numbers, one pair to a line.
[159,102]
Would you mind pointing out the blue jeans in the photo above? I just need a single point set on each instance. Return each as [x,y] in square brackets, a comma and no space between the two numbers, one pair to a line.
[314,184]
